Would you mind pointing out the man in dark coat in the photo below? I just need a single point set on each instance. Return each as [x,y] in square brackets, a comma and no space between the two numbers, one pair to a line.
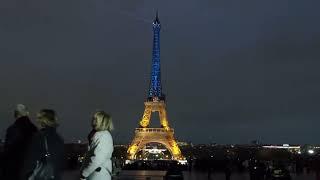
[18,137]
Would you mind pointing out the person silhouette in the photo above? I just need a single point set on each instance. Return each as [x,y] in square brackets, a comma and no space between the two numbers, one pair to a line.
[17,140]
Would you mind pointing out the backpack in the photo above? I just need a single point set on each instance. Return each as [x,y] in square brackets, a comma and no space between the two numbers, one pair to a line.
[44,169]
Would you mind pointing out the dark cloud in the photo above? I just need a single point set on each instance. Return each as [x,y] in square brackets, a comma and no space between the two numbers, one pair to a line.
[233,71]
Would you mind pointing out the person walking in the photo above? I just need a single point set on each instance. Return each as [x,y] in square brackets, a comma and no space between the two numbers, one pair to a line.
[17,139]
[97,163]
[46,141]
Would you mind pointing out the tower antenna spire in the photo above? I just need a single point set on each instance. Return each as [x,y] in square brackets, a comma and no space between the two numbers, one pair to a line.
[156,20]
[157,14]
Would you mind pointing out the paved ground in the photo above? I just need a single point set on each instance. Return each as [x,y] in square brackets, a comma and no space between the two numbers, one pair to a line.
[73,175]
[243,176]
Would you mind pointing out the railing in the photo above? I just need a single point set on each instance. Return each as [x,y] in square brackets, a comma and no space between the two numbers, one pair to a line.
[154,130]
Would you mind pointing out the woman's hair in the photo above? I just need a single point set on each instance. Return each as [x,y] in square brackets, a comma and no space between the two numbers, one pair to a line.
[47,118]
[103,121]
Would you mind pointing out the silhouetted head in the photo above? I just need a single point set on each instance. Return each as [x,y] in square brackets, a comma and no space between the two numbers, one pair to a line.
[47,118]
[20,111]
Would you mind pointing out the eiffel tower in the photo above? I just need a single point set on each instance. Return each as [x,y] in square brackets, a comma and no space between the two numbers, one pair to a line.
[155,103]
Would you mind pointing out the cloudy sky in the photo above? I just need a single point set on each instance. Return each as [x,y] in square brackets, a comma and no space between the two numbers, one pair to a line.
[233,71]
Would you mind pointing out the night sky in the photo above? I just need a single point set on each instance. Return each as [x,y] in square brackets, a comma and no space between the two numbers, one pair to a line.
[233,71]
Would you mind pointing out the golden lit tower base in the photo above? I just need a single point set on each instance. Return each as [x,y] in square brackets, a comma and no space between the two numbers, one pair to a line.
[163,135]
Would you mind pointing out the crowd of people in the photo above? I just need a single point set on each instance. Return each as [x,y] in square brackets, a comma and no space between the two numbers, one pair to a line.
[36,152]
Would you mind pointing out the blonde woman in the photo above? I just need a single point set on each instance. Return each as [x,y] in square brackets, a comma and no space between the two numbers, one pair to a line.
[97,163]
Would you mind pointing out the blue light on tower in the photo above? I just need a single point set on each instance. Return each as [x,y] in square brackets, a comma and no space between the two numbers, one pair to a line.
[155,89]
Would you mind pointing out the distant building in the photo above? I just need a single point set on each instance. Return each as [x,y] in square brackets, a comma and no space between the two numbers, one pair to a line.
[291,148]
[121,145]
[181,143]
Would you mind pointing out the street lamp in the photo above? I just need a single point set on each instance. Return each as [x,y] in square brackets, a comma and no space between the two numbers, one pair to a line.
[311,151]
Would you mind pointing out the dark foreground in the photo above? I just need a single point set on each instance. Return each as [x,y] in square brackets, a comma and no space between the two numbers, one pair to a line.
[193,175]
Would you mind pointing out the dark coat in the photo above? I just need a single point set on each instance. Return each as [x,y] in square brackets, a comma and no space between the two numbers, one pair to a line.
[18,137]
[37,151]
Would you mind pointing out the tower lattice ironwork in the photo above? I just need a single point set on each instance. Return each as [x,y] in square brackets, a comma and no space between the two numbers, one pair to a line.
[155,103]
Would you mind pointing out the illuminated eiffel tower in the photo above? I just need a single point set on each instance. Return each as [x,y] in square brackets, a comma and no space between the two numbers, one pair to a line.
[155,103]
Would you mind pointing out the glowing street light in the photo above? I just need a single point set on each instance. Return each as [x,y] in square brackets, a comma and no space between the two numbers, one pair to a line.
[299,152]
[311,151]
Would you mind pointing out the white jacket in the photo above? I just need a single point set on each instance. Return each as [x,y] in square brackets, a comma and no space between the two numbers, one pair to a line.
[99,155]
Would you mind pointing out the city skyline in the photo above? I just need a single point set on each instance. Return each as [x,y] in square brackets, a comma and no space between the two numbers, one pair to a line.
[232,72]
